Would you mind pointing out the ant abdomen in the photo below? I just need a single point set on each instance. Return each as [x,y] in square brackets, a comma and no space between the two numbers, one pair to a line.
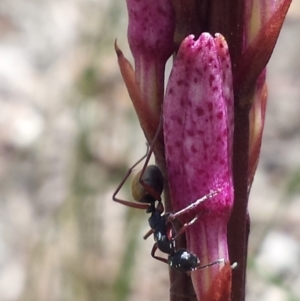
[183,260]
[149,187]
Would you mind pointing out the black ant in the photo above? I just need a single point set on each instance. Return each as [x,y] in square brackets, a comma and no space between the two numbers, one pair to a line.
[147,187]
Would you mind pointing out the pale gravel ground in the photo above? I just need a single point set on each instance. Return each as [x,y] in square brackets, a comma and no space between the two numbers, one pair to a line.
[61,236]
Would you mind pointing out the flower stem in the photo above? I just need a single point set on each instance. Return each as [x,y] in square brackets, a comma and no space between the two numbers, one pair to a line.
[238,227]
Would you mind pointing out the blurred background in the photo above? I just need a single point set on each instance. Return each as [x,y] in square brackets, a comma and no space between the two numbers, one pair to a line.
[68,134]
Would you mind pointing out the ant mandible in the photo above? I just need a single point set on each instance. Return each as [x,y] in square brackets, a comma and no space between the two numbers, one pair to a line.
[147,187]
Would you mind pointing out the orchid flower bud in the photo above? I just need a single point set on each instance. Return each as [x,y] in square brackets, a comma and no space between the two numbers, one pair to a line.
[150,35]
[198,135]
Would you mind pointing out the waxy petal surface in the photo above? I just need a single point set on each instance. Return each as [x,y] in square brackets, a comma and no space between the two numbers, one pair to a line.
[198,124]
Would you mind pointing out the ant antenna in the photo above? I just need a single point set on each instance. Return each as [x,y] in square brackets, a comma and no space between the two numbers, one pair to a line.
[221,260]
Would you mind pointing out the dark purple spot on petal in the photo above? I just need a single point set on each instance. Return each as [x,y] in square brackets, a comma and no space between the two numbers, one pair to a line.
[210,106]
[220,115]
[211,79]
[194,149]
[200,171]
[190,132]
[177,143]
[199,111]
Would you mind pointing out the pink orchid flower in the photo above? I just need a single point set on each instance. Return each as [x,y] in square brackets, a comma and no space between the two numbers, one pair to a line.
[198,134]
[213,117]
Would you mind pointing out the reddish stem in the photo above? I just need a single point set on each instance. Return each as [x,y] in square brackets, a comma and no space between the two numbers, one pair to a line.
[238,227]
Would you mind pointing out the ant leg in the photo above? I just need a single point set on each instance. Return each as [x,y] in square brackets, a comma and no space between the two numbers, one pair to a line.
[147,187]
[128,203]
[186,225]
[221,260]
[148,234]
[192,206]
[157,257]
[175,215]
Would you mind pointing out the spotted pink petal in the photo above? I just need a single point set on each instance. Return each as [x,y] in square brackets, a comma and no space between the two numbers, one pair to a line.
[151,28]
[198,123]
[198,134]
